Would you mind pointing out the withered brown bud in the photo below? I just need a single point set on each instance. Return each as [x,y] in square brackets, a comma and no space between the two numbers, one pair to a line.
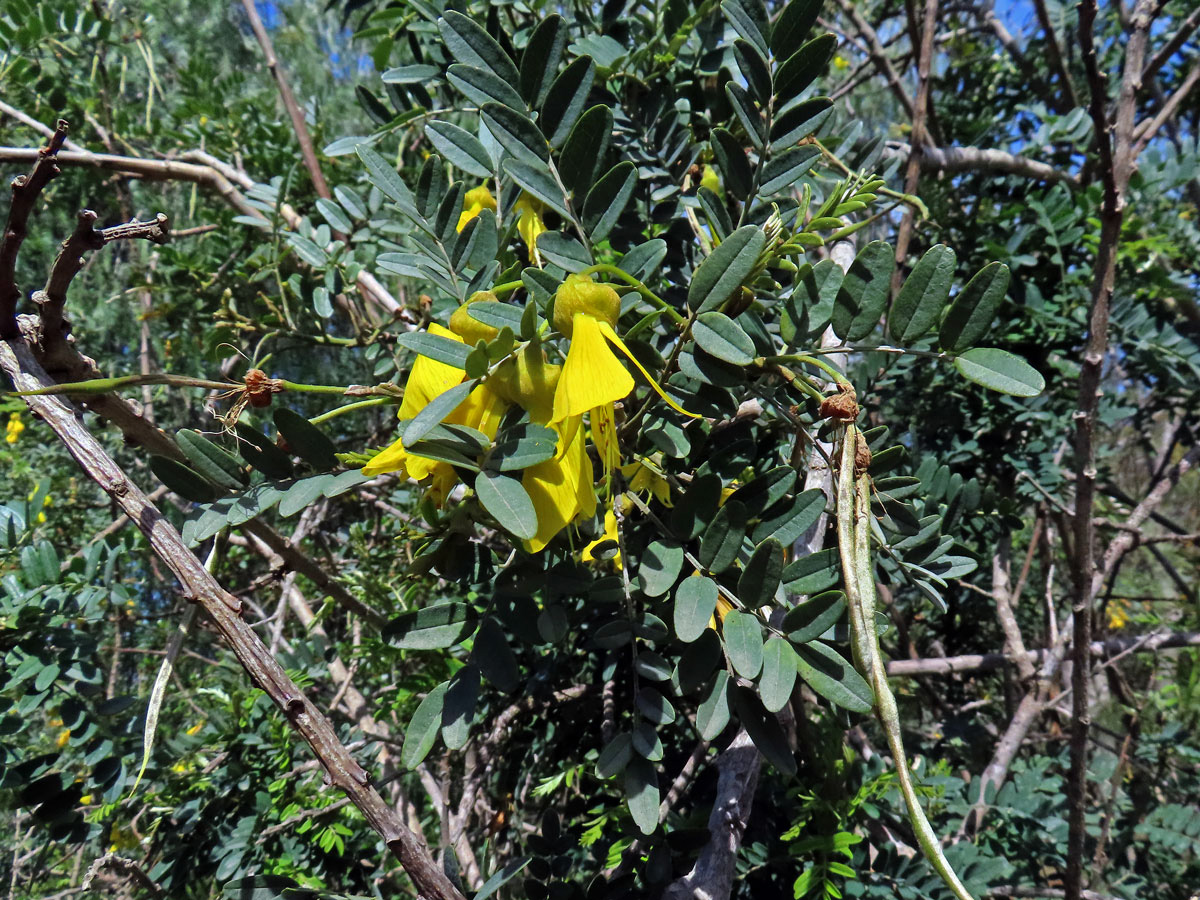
[260,387]
[862,455]
[842,406]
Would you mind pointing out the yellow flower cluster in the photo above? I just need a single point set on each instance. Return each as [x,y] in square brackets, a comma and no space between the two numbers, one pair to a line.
[13,429]
[589,382]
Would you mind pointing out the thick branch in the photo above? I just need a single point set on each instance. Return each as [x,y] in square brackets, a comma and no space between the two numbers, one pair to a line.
[295,113]
[53,297]
[988,662]
[976,159]
[200,587]
[1186,28]
[1116,167]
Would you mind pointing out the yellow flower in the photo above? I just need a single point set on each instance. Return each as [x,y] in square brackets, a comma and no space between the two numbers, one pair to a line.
[645,479]
[14,428]
[710,179]
[593,378]
[723,608]
[610,534]
[840,62]
[63,737]
[1118,615]
[429,378]
[530,223]
[86,800]
[475,201]
[195,729]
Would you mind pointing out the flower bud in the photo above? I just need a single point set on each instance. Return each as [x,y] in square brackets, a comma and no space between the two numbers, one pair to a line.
[579,294]
[470,329]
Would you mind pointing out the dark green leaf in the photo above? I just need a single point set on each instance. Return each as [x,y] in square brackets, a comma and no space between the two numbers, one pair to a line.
[516,134]
[763,729]
[864,292]
[458,708]
[460,147]
[814,617]
[743,642]
[334,215]
[469,43]
[749,20]
[793,26]
[970,315]
[715,213]
[923,295]
[641,793]
[431,628]
[522,447]
[185,482]
[799,122]
[695,601]
[494,657]
[566,98]
[1000,371]
[831,676]
[383,175]
[723,537]
[786,169]
[563,251]
[652,666]
[815,572]
[608,198]
[754,69]
[585,149]
[713,714]
[747,113]
[765,490]
[480,86]
[444,350]
[410,75]
[423,728]
[434,412]
[541,57]
[502,876]
[696,508]
[738,177]
[261,452]
[507,502]
[761,574]
[538,181]
[787,520]
[778,674]
[659,567]
[614,756]
[655,707]
[726,269]
[305,439]
[802,67]
[718,335]
[213,463]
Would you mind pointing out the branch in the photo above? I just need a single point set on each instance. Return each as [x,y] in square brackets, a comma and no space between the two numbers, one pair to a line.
[1171,47]
[976,159]
[127,867]
[25,190]
[879,56]
[53,297]
[1149,127]
[1056,55]
[199,586]
[1117,160]
[295,113]
[988,662]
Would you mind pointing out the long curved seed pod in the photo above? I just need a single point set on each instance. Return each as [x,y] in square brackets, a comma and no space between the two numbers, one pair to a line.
[854,545]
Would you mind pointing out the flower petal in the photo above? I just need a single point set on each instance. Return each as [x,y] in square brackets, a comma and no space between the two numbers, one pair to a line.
[615,339]
[393,459]
[592,375]
[610,534]
[429,378]
[559,489]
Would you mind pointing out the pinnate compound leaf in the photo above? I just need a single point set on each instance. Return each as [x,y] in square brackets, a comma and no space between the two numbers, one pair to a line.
[431,628]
